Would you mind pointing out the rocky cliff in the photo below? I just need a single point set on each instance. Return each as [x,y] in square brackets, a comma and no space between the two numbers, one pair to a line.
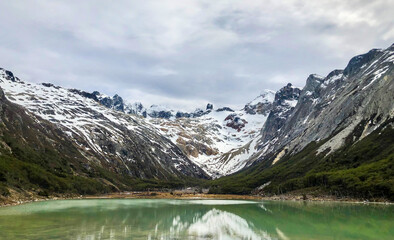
[360,96]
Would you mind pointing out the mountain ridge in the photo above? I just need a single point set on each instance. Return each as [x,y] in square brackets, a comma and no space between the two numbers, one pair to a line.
[102,134]
[337,138]
[323,119]
[203,135]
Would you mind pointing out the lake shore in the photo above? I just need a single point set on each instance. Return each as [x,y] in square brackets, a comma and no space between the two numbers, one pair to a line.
[181,195]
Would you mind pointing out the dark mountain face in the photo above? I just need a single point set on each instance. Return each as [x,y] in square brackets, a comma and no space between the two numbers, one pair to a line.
[224,109]
[79,92]
[357,62]
[161,114]
[285,100]
[116,102]
[8,75]
[287,93]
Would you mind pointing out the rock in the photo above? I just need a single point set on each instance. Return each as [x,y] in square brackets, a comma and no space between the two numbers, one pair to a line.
[261,104]
[285,100]
[357,62]
[224,109]
[8,75]
[235,122]
[182,115]
[118,103]
[86,94]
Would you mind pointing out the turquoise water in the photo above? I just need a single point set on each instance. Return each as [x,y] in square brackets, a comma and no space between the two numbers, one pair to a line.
[195,219]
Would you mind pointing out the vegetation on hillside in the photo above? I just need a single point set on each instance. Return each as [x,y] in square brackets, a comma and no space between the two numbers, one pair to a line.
[37,158]
[362,169]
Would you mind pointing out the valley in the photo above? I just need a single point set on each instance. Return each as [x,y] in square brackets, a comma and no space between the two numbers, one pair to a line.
[333,137]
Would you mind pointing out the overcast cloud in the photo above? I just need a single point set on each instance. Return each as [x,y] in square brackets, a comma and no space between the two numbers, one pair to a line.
[185,53]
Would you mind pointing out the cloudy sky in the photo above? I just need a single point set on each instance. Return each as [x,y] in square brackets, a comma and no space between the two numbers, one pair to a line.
[186,53]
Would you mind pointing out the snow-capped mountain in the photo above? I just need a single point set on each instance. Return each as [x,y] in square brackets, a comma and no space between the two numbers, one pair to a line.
[285,101]
[210,138]
[261,104]
[346,104]
[276,108]
[332,107]
[157,141]
[100,129]
[105,125]
[336,140]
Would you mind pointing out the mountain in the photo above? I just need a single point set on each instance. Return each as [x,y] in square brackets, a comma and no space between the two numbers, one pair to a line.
[209,138]
[261,104]
[334,136]
[36,158]
[360,96]
[124,143]
[285,101]
[107,126]
[337,136]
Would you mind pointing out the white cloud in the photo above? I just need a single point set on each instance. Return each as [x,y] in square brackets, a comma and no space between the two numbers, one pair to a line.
[223,51]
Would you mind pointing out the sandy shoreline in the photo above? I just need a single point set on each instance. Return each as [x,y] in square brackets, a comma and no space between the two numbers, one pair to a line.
[186,196]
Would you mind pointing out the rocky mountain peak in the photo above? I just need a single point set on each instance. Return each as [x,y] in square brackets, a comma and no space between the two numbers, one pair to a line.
[313,86]
[333,73]
[8,75]
[158,111]
[47,85]
[224,109]
[353,100]
[286,94]
[209,106]
[285,101]
[261,104]
[136,108]
[314,79]
[118,103]
[357,62]
[93,95]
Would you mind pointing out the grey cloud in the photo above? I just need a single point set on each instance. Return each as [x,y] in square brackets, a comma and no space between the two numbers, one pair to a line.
[187,52]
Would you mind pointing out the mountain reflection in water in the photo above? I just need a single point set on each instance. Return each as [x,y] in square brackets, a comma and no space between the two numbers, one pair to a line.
[215,224]
[194,219]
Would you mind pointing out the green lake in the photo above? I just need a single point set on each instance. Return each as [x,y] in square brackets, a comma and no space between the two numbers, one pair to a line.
[195,219]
